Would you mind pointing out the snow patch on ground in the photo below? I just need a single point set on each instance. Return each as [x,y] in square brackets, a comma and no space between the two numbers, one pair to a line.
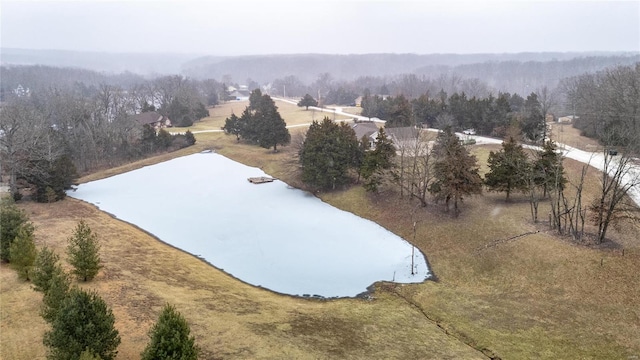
[268,235]
[496,211]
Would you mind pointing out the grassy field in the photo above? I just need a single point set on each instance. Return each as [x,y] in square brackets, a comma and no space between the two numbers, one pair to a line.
[292,114]
[568,135]
[535,297]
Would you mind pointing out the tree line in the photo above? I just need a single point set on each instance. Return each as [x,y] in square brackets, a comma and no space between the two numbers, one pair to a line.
[82,326]
[331,156]
[490,116]
[444,171]
[607,104]
[47,134]
[520,73]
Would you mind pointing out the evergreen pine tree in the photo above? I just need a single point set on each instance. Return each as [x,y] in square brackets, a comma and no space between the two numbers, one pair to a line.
[83,251]
[270,129]
[22,252]
[11,219]
[455,171]
[88,355]
[164,139]
[83,323]
[509,168]
[328,152]
[376,161]
[43,269]
[191,140]
[57,290]
[307,101]
[233,126]
[401,114]
[548,168]
[170,339]
[255,99]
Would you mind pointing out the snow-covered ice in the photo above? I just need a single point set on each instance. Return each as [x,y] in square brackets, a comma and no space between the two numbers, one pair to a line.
[268,235]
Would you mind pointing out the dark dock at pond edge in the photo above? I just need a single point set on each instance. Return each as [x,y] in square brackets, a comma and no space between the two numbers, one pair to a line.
[261,179]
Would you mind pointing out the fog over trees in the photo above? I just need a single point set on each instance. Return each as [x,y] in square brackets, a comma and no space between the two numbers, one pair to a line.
[56,120]
[472,73]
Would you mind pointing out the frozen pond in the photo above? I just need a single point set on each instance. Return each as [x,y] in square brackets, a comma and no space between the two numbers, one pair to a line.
[268,235]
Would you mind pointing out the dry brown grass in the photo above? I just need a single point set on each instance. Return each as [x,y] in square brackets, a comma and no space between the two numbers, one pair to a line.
[229,318]
[568,135]
[292,114]
[538,296]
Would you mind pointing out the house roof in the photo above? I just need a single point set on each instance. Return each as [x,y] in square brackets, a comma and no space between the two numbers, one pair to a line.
[402,133]
[364,129]
[240,94]
[149,117]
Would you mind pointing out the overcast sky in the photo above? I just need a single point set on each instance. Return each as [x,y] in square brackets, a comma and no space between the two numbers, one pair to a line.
[241,27]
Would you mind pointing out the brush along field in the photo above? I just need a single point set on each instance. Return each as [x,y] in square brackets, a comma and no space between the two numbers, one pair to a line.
[536,296]
[568,135]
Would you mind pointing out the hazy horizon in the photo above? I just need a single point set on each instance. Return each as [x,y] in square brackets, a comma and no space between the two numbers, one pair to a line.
[188,54]
[243,28]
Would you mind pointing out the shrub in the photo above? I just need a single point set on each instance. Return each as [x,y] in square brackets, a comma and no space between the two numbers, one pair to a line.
[164,139]
[191,140]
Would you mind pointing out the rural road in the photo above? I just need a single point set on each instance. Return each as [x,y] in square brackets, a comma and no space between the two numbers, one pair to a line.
[337,111]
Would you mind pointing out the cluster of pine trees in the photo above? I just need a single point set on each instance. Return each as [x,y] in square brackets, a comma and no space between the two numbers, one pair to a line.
[260,123]
[82,324]
[490,116]
[331,156]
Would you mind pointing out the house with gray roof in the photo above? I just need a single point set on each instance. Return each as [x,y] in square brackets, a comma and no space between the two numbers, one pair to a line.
[154,119]
[366,129]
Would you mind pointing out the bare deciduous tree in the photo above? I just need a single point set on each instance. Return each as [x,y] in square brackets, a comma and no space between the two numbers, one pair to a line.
[548,100]
[24,139]
[618,177]
[413,172]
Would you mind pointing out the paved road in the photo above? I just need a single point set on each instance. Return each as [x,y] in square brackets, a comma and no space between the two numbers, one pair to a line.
[337,111]
[595,159]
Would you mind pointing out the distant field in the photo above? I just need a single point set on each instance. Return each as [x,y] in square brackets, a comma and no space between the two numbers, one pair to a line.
[568,135]
[535,297]
[292,114]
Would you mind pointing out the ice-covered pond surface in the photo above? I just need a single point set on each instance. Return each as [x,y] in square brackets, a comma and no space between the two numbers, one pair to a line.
[268,235]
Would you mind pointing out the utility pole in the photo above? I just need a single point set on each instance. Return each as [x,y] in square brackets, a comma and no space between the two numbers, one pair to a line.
[413,249]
